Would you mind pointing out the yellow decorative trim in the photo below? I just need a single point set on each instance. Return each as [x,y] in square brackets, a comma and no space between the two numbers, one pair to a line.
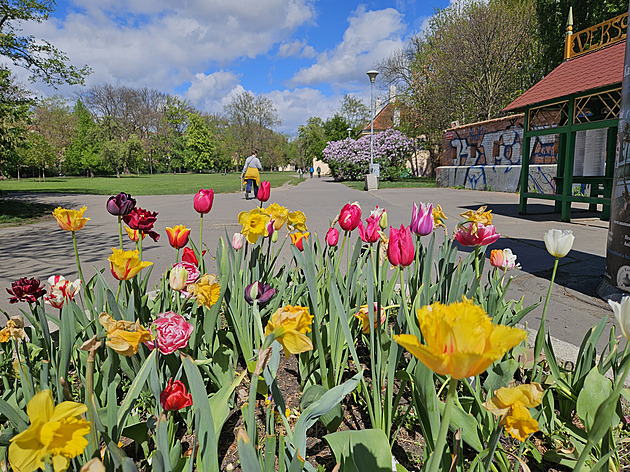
[608,102]
[596,37]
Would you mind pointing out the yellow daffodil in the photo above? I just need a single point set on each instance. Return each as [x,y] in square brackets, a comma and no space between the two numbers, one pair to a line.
[278,214]
[56,435]
[297,221]
[124,337]
[126,264]
[461,340]
[254,224]
[13,330]
[207,290]
[511,405]
[70,220]
[288,324]
[438,217]
[481,216]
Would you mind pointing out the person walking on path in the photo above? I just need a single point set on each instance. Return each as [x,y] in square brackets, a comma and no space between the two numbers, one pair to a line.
[310,169]
[251,175]
[319,172]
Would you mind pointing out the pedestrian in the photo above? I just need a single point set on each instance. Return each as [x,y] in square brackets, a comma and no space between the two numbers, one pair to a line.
[310,169]
[250,174]
[319,172]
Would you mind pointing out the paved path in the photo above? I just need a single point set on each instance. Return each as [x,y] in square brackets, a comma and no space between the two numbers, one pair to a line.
[42,249]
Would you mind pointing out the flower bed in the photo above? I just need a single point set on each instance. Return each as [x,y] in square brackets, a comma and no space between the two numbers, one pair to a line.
[385,325]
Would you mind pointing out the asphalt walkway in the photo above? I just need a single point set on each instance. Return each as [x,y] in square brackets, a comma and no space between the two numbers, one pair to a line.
[43,249]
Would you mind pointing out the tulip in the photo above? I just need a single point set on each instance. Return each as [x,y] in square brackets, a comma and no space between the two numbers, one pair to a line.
[503,259]
[370,233]
[350,216]
[271,227]
[400,250]
[238,239]
[55,436]
[134,234]
[438,217]
[332,237]
[191,269]
[288,326]
[26,290]
[298,239]
[274,237]
[207,290]
[70,220]
[189,256]
[622,314]
[422,219]
[259,292]
[511,405]
[558,243]
[125,265]
[480,216]
[485,235]
[173,332]
[121,204]
[364,316]
[61,290]
[143,221]
[460,339]
[174,397]
[177,278]
[264,191]
[383,220]
[178,236]
[202,201]
[124,337]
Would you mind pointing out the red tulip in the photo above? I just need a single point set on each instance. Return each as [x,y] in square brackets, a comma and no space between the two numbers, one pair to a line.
[26,290]
[174,396]
[178,236]
[400,250]
[485,235]
[350,216]
[202,202]
[264,191]
[189,256]
[332,237]
[369,233]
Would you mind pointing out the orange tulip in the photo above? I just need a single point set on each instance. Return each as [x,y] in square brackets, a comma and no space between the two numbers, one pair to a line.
[178,236]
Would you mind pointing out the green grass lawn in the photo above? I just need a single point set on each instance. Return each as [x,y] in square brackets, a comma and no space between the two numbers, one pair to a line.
[409,182]
[156,184]
[14,213]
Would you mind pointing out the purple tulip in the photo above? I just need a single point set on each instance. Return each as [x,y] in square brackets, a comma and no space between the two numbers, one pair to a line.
[422,219]
[260,292]
[121,204]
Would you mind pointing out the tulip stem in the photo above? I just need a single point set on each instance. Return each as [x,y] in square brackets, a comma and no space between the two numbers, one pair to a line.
[436,457]
[492,446]
[478,273]
[89,386]
[200,235]
[343,244]
[540,335]
[120,238]
[76,255]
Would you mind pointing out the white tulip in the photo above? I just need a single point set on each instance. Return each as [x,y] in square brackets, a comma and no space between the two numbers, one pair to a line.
[622,313]
[558,242]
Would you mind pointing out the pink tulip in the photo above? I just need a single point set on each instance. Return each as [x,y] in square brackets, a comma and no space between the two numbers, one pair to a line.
[369,234]
[173,332]
[422,219]
[332,237]
[264,191]
[485,235]
[202,202]
[400,250]
[238,239]
[192,271]
[350,216]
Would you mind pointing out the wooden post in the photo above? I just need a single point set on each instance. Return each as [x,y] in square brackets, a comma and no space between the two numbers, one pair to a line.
[522,206]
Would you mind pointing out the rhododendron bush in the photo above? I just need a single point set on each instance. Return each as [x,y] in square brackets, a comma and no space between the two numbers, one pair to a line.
[349,159]
[377,320]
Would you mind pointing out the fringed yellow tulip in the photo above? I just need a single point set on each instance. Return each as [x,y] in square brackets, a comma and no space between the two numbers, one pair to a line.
[288,324]
[438,217]
[297,221]
[126,264]
[70,220]
[278,214]
[511,405]
[254,224]
[56,435]
[461,340]
[207,290]
[481,216]
[124,337]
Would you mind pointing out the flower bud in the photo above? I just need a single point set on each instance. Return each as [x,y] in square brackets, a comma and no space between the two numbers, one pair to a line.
[274,237]
[383,221]
[177,278]
[237,241]
[332,237]
[202,202]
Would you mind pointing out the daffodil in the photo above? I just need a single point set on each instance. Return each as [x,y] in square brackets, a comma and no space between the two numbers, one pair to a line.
[254,224]
[125,265]
[480,216]
[13,330]
[124,337]
[288,325]
[70,220]
[278,214]
[56,435]
[511,405]
[207,290]
[461,340]
[297,221]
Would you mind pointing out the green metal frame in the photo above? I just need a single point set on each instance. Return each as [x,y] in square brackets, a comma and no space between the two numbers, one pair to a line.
[566,150]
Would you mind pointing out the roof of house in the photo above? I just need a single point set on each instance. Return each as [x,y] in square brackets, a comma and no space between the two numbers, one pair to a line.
[384,119]
[586,72]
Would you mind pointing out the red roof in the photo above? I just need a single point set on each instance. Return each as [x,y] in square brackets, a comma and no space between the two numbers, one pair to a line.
[586,72]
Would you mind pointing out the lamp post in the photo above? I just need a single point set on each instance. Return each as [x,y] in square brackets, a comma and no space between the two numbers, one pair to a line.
[349,130]
[372,75]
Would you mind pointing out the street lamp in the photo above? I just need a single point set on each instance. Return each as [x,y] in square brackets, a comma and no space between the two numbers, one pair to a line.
[349,130]
[372,75]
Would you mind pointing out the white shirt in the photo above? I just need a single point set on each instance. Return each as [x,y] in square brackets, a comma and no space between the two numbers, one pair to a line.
[252,161]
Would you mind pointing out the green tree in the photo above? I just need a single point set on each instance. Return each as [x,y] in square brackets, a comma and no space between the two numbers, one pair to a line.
[335,129]
[84,150]
[311,141]
[201,143]
[38,153]
[15,102]
[40,57]
[54,120]
[354,111]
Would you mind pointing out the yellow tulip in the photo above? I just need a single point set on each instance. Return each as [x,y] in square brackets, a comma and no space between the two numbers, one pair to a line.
[481,216]
[297,221]
[439,217]
[124,337]
[126,264]
[134,234]
[278,214]
[461,340]
[207,290]
[511,405]
[70,220]
[13,330]
[288,324]
[254,224]
[56,435]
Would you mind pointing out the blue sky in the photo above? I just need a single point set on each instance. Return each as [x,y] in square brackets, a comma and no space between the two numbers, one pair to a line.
[302,54]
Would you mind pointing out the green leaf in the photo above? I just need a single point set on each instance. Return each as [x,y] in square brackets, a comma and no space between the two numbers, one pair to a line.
[134,391]
[330,420]
[247,454]
[595,390]
[14,415]
[368,449]
[468,425]
[500,375]
[220,401]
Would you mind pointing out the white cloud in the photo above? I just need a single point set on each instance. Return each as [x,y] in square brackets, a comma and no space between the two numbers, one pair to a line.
[371,36]
[296,48]
[207,92]
[296,106]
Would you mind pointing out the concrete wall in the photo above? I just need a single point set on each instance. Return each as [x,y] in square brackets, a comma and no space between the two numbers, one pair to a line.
[499,178]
